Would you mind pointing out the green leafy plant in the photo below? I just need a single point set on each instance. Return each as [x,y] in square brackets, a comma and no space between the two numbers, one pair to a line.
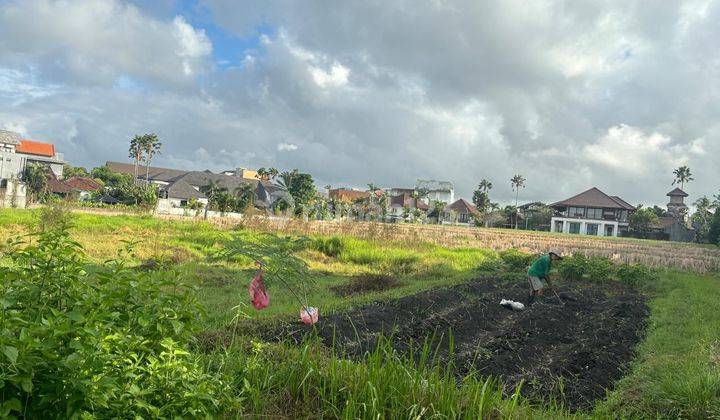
[107,342]
[516,260]
[599,268]
[635,274]
[332,247]
[573,267]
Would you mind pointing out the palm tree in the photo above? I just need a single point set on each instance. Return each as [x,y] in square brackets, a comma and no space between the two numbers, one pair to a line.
[212,191]
[136,153]
[682,175]
[517,182]
[263,174]
[272,173]
[151,147]
[245,196]
[485,186]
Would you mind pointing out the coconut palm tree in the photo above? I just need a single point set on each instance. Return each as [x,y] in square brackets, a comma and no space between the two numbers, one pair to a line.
[245,195]
[135,152]
[517,182]
[682,175]
[485,186]
[151,147]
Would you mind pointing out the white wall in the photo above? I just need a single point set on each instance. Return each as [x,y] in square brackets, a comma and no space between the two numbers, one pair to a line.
[602,225]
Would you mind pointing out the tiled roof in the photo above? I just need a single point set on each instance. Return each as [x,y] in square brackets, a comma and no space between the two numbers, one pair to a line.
[347,195]
[594,198]
[461,206]
[677,192]
[82,183]
[158,174]
[183,190]
[9,137]
[38,148]
[406,200]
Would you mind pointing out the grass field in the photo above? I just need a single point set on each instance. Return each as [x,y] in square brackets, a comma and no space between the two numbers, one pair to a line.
[675,374]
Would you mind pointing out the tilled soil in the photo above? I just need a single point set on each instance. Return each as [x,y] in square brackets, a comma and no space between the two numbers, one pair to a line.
[571,352]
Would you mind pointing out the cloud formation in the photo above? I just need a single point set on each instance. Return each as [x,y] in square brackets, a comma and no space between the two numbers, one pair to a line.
[571,95]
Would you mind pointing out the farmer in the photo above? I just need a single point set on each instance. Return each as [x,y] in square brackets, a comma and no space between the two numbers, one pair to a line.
[538,273]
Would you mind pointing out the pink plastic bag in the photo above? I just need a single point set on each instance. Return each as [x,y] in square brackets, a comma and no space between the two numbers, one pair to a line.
[258,294]
[310,315]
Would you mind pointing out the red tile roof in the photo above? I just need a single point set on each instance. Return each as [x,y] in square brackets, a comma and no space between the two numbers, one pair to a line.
[347,195]
[82,183]
[461,206]
[406,200]
[38,148]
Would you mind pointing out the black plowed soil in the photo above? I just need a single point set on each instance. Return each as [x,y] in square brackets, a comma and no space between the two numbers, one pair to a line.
[366,283]
[570,352]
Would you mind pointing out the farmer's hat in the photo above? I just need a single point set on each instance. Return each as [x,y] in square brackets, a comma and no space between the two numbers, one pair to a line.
[555,253]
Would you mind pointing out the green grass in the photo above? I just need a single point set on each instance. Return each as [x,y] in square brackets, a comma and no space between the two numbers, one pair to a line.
[676,373]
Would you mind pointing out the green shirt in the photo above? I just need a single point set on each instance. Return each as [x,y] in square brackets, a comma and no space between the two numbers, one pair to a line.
[540,267]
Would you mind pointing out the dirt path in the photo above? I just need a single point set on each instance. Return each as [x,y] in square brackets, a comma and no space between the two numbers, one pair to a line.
[581,348]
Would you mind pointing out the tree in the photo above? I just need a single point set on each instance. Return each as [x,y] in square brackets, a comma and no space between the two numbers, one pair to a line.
[213,191]
[36,179]
[300,186]
[682,175]
[517,182]
[70,171]
[244,197]
[110,178]
[702,218]
[659,211]
[136,153]
[642,219]
[714,232]
[151,147]
[485,186]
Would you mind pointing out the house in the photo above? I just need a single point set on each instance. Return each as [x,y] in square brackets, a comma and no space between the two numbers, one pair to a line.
[591,212]
[17,153]
[242,173]
[404,205]
[437,190]
[460,211]
[177,187]
[347,195]
[83,186]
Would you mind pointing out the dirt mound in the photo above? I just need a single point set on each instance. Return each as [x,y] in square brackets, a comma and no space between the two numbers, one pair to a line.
[570,352]
[366,283]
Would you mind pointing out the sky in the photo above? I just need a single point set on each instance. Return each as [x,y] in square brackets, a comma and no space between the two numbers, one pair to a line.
[570,94]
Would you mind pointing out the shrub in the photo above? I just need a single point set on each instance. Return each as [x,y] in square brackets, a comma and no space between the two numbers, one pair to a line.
[516,260]
[573,267]
[599,268]
[108,344]
[634,274]
[490,265]
[332,247]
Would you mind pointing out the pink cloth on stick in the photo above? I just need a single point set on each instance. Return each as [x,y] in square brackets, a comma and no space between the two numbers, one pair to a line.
[258,294]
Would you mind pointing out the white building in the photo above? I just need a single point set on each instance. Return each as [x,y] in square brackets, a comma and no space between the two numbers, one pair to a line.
[591,213]
[437,190]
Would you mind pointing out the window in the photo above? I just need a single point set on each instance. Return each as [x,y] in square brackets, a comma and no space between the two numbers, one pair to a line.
[574,227]
[592,229]
[594,213]
[464,217]
[623,215]
[609,214]
[576,211]
[183,203]
[558,226]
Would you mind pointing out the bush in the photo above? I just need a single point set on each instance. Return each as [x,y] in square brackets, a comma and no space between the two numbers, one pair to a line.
[599,268]
[490,265]
[110,344]
[332,247]
[634,274]
[573,267]
[516,260]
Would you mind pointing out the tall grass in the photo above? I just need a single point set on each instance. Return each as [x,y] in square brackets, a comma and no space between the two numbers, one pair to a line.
[275,379]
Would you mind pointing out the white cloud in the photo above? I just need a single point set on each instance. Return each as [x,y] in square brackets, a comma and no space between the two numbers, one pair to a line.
[97,41]
[286,147]
[336,77]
